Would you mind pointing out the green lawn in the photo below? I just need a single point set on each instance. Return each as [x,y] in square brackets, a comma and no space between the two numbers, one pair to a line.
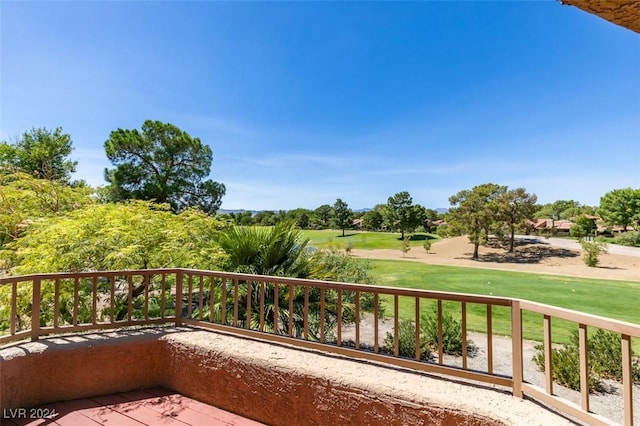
[613,299]
[363,240]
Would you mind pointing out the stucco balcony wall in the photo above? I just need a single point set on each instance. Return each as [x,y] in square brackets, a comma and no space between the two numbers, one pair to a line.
[271,383]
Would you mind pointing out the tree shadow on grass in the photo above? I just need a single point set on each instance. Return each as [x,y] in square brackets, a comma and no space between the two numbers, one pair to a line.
[419,237]
[346,235]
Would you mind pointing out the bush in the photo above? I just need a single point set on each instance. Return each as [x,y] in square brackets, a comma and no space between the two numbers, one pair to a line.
[631,239]
[605,361]
[442,231]
[591,250]
[565,365]
[451,337]
[427,245]
[407,341]
[406,245]
[451,333]
[605,356]
[333,265]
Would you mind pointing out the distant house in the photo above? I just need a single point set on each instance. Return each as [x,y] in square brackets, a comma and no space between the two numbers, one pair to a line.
[432,225]
[611,230]
[357,223]
[561,227]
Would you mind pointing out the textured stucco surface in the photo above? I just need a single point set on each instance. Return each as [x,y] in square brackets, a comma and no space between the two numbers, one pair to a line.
[71,367]
[625,13]
[274,384]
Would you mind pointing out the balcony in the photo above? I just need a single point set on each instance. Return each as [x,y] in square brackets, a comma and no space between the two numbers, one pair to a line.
[276,350]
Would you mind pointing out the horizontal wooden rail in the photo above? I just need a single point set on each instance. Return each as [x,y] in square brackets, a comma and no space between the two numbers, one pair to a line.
[299,312]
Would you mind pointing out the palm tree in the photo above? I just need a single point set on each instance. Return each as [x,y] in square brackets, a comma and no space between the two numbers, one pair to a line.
[281,250]
[277,251]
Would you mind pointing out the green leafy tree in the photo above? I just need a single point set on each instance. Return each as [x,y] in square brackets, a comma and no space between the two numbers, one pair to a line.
[620,207]
[41,153]
[476,213]
[133,235]
[243,218]
[374,219]
[516,207]
[301,217]
[582,226]
[341,215]
[560,210]
[164,164]
[400,213]
[322,216]
[25,199]
[268,217]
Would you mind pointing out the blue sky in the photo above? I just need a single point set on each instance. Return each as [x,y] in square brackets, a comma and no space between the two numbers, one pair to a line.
[305,102]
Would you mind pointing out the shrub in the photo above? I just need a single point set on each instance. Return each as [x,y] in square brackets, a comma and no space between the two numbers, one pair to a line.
[605,356]
[451,333]
[451,337]
[333,265]
[442,230]
[591,250]
[406,245]
[631,239]
[427,245]
[605,361]
[565,365]
[407,341]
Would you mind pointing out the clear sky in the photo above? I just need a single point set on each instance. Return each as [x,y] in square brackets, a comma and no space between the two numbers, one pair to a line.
[305,102]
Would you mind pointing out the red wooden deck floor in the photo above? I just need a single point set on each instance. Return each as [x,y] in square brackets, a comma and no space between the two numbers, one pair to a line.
[151,407]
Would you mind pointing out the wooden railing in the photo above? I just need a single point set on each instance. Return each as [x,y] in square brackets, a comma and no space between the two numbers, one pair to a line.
[307,313]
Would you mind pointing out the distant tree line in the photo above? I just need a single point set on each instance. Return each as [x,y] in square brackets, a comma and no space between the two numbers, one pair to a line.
[399,214]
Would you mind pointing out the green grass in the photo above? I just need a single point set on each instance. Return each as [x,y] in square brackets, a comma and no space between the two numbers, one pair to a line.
[612,299]
[363,240]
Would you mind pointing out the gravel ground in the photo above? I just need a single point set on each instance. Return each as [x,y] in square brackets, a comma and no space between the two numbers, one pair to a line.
[609,405]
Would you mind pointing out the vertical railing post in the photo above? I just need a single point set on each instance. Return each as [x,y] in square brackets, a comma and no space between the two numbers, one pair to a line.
[627,380]
[463,312]
[396,327]
[178,298]
[305,314]
[35,312]
[357,320]
[440,334]
[516,347]
[489,340]
[376,313]
[14,305]
[339,324]
[584,366]
[418,352]
[548,355]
